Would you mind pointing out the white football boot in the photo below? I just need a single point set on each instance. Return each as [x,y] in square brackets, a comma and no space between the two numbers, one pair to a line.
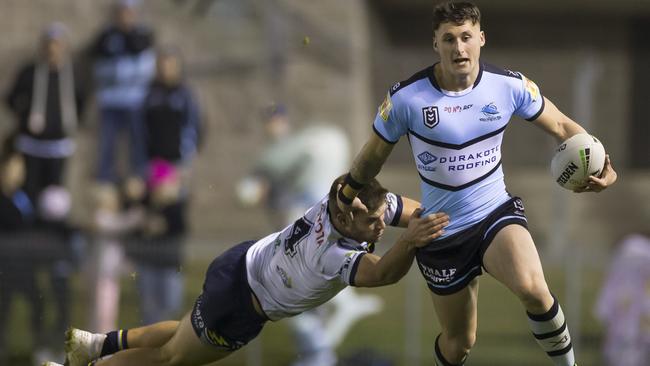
[82,347]
[50,363]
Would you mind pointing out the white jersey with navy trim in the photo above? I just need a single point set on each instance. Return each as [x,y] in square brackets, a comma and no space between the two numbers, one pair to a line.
[308,262]
[456,137]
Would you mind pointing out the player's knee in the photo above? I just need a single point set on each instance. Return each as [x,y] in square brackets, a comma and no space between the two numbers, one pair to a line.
[533,292]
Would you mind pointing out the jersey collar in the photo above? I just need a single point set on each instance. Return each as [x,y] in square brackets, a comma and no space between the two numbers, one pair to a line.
[432,77]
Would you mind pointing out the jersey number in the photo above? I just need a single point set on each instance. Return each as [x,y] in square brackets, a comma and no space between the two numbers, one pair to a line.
[299,231]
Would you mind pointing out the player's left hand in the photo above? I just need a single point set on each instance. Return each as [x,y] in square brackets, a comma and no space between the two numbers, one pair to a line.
[606,179]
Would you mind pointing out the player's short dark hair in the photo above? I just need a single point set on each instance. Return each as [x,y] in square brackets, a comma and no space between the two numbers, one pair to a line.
[373,195]
[455,12]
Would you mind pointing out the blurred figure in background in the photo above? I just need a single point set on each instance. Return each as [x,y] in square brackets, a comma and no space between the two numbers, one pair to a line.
[34,236]
[291,175]
[113,220]
[173,132]
[123,67]
[46,99]
[624,303]
[17,274]
[52,243]
[294,169]
[173,127]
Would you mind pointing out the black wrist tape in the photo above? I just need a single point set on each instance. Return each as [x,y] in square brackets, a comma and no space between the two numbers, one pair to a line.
[353,183]
[343,198]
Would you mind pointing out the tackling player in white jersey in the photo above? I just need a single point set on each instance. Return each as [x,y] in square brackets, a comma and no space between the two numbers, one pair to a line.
[454,114]
[279,276]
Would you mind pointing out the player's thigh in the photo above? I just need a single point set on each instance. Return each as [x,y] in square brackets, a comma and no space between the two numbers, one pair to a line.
[186,348]
[457,313]
[512,259]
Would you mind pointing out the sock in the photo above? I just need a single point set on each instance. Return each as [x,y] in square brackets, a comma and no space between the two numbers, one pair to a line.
[440,359]
[552,335]
[115,341]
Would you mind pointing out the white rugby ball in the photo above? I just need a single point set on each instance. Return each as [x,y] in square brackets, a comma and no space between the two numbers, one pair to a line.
[576,159]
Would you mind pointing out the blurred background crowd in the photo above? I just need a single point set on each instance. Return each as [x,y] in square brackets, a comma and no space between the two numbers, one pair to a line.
[141,138]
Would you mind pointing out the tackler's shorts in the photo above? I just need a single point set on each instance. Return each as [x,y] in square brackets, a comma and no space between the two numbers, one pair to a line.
[449,264]
[223,315]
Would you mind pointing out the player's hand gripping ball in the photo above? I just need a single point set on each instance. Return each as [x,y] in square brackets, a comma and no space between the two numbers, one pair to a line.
[577,158]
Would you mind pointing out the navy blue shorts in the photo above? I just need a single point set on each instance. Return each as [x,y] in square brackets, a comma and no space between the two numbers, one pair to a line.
[450,264]
[223,315]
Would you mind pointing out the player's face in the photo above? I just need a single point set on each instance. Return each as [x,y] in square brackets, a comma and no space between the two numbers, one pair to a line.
[459,47]
[370,227]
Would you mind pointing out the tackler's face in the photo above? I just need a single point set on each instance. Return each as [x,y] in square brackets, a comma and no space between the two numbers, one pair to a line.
[369,227]
[459,47]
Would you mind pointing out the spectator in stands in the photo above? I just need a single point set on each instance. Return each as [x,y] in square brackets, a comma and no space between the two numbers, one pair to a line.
[123,66]
[16,269]
[115,218]
[172,130]
[624,303]
[46,99]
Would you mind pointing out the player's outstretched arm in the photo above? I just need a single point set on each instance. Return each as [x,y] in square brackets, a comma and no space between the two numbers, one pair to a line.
[558,125]
[408,207]
[366,166]
[376,271]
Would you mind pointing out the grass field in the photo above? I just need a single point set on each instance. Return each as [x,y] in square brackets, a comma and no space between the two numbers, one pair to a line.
[503,336]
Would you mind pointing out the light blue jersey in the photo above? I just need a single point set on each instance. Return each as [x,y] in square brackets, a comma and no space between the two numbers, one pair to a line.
[456,137]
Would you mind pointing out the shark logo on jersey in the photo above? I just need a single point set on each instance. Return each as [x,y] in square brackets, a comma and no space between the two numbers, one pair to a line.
[491,113]
[489,109]
[430,116]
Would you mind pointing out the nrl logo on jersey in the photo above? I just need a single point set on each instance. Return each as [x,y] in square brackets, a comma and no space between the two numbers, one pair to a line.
[430,116]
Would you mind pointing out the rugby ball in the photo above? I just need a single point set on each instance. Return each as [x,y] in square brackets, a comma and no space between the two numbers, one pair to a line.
[576,159]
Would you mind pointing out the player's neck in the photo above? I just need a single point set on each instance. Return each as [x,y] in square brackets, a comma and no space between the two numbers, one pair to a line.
[451,82]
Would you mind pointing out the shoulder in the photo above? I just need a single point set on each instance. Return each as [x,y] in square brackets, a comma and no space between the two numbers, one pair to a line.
[504,79]
[423,74]
[500,71]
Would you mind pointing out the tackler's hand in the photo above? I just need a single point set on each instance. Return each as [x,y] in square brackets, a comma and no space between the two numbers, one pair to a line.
[423,229]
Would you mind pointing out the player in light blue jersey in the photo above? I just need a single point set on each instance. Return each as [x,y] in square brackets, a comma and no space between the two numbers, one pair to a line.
[454,114]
